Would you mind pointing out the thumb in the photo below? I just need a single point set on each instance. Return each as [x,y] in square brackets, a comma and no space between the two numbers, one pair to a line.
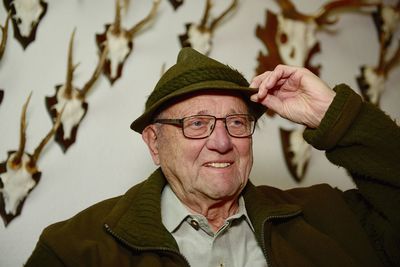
[254,98]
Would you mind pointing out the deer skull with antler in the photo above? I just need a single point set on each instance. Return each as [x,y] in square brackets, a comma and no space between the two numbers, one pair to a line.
[199,36]
[290,37]
[26,16]
[72,100]
[19,174]
[372,79]
[120,41]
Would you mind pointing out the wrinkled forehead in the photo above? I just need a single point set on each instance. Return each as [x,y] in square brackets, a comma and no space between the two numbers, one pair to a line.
[208,102]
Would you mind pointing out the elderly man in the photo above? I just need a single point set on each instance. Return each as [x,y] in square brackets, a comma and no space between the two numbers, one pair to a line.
[199,208]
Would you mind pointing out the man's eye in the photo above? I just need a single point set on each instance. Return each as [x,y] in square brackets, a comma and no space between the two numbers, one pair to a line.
[197,123]
[237,122]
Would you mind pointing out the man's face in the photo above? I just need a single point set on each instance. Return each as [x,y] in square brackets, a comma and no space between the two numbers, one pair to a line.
[214,168]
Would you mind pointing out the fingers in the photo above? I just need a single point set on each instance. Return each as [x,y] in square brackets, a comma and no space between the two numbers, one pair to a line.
[255,83]
[269,78]
[259,82]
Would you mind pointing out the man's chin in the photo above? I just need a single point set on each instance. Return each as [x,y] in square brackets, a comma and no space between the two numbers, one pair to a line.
[222,192]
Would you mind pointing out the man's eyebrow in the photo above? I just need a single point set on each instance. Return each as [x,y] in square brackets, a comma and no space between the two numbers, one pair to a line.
[207,112]
[190,112]
[231,111]
[203,112]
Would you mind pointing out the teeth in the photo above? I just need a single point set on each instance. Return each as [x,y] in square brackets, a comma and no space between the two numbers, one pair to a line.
[218,165]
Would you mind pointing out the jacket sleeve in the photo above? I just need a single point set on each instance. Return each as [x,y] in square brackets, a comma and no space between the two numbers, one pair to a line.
[363,139]
[43,257]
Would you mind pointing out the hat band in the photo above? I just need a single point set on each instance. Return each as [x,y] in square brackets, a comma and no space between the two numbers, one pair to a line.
[196,76]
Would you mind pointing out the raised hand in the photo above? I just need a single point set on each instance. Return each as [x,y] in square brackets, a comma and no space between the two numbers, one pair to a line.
[294,93]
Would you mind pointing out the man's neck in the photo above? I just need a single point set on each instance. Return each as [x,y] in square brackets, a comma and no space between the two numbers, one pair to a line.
[216,211]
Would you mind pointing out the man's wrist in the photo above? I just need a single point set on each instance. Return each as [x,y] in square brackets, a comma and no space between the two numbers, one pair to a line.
[337,119]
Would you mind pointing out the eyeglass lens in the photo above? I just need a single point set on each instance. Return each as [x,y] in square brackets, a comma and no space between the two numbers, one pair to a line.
[200,126]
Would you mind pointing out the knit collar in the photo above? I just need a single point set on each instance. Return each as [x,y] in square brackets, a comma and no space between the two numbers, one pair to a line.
[137,216]
[262,207]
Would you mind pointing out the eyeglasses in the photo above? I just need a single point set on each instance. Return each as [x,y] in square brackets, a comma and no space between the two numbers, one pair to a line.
[202,126]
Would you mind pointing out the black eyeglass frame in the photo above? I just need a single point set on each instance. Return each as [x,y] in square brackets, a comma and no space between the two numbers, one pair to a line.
[179,123]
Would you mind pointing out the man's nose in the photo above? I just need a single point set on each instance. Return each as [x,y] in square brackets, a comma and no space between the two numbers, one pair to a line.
[220,140]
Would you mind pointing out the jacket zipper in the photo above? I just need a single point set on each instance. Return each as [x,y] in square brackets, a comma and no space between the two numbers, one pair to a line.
[264,249]
[126,243]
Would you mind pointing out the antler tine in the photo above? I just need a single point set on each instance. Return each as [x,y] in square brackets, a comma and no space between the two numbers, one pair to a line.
[163,66]
[141,23]
[382,54]
[393,61]
[4,35]
[126,5]
[16,161]
[321,17]
[116,27]
[70,67]
[290,11]
[218,19]
[204,19]
[286,5]
[45,140]
[95,75]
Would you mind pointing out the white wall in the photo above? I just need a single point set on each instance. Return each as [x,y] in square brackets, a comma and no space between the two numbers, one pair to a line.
[108,157]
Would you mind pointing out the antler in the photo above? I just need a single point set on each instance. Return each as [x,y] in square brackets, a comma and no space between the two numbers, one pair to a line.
[126,5]
[4,35]
[35,156]
[202,26]
[396,57]
[321,18]
[70,68]
[116,27]
[163,66]
[17,159]
[290,11]
[131,33]
[95,75]
[384,67]
[218,19]
[204,19]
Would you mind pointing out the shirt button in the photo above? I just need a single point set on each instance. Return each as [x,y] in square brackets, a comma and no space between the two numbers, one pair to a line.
[194,224]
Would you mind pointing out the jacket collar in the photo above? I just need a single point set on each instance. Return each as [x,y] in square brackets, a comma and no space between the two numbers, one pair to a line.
[267,204]
[136,218]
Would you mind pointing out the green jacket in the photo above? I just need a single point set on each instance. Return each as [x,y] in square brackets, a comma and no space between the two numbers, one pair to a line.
[314,226]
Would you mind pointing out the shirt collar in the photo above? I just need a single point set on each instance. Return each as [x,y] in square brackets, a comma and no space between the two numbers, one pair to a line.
[174,212]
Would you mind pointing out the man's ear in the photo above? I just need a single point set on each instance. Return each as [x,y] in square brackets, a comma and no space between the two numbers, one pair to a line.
[149,136]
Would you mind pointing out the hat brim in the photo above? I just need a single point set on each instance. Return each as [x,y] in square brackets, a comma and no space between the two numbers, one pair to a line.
[146,118]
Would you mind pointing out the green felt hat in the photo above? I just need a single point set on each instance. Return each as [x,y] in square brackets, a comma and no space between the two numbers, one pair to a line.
[194,72]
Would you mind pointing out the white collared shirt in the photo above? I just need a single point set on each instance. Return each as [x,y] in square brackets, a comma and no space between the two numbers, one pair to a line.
[234,244]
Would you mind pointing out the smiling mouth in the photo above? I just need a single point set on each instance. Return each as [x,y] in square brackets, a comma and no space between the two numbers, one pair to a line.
[218,164]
